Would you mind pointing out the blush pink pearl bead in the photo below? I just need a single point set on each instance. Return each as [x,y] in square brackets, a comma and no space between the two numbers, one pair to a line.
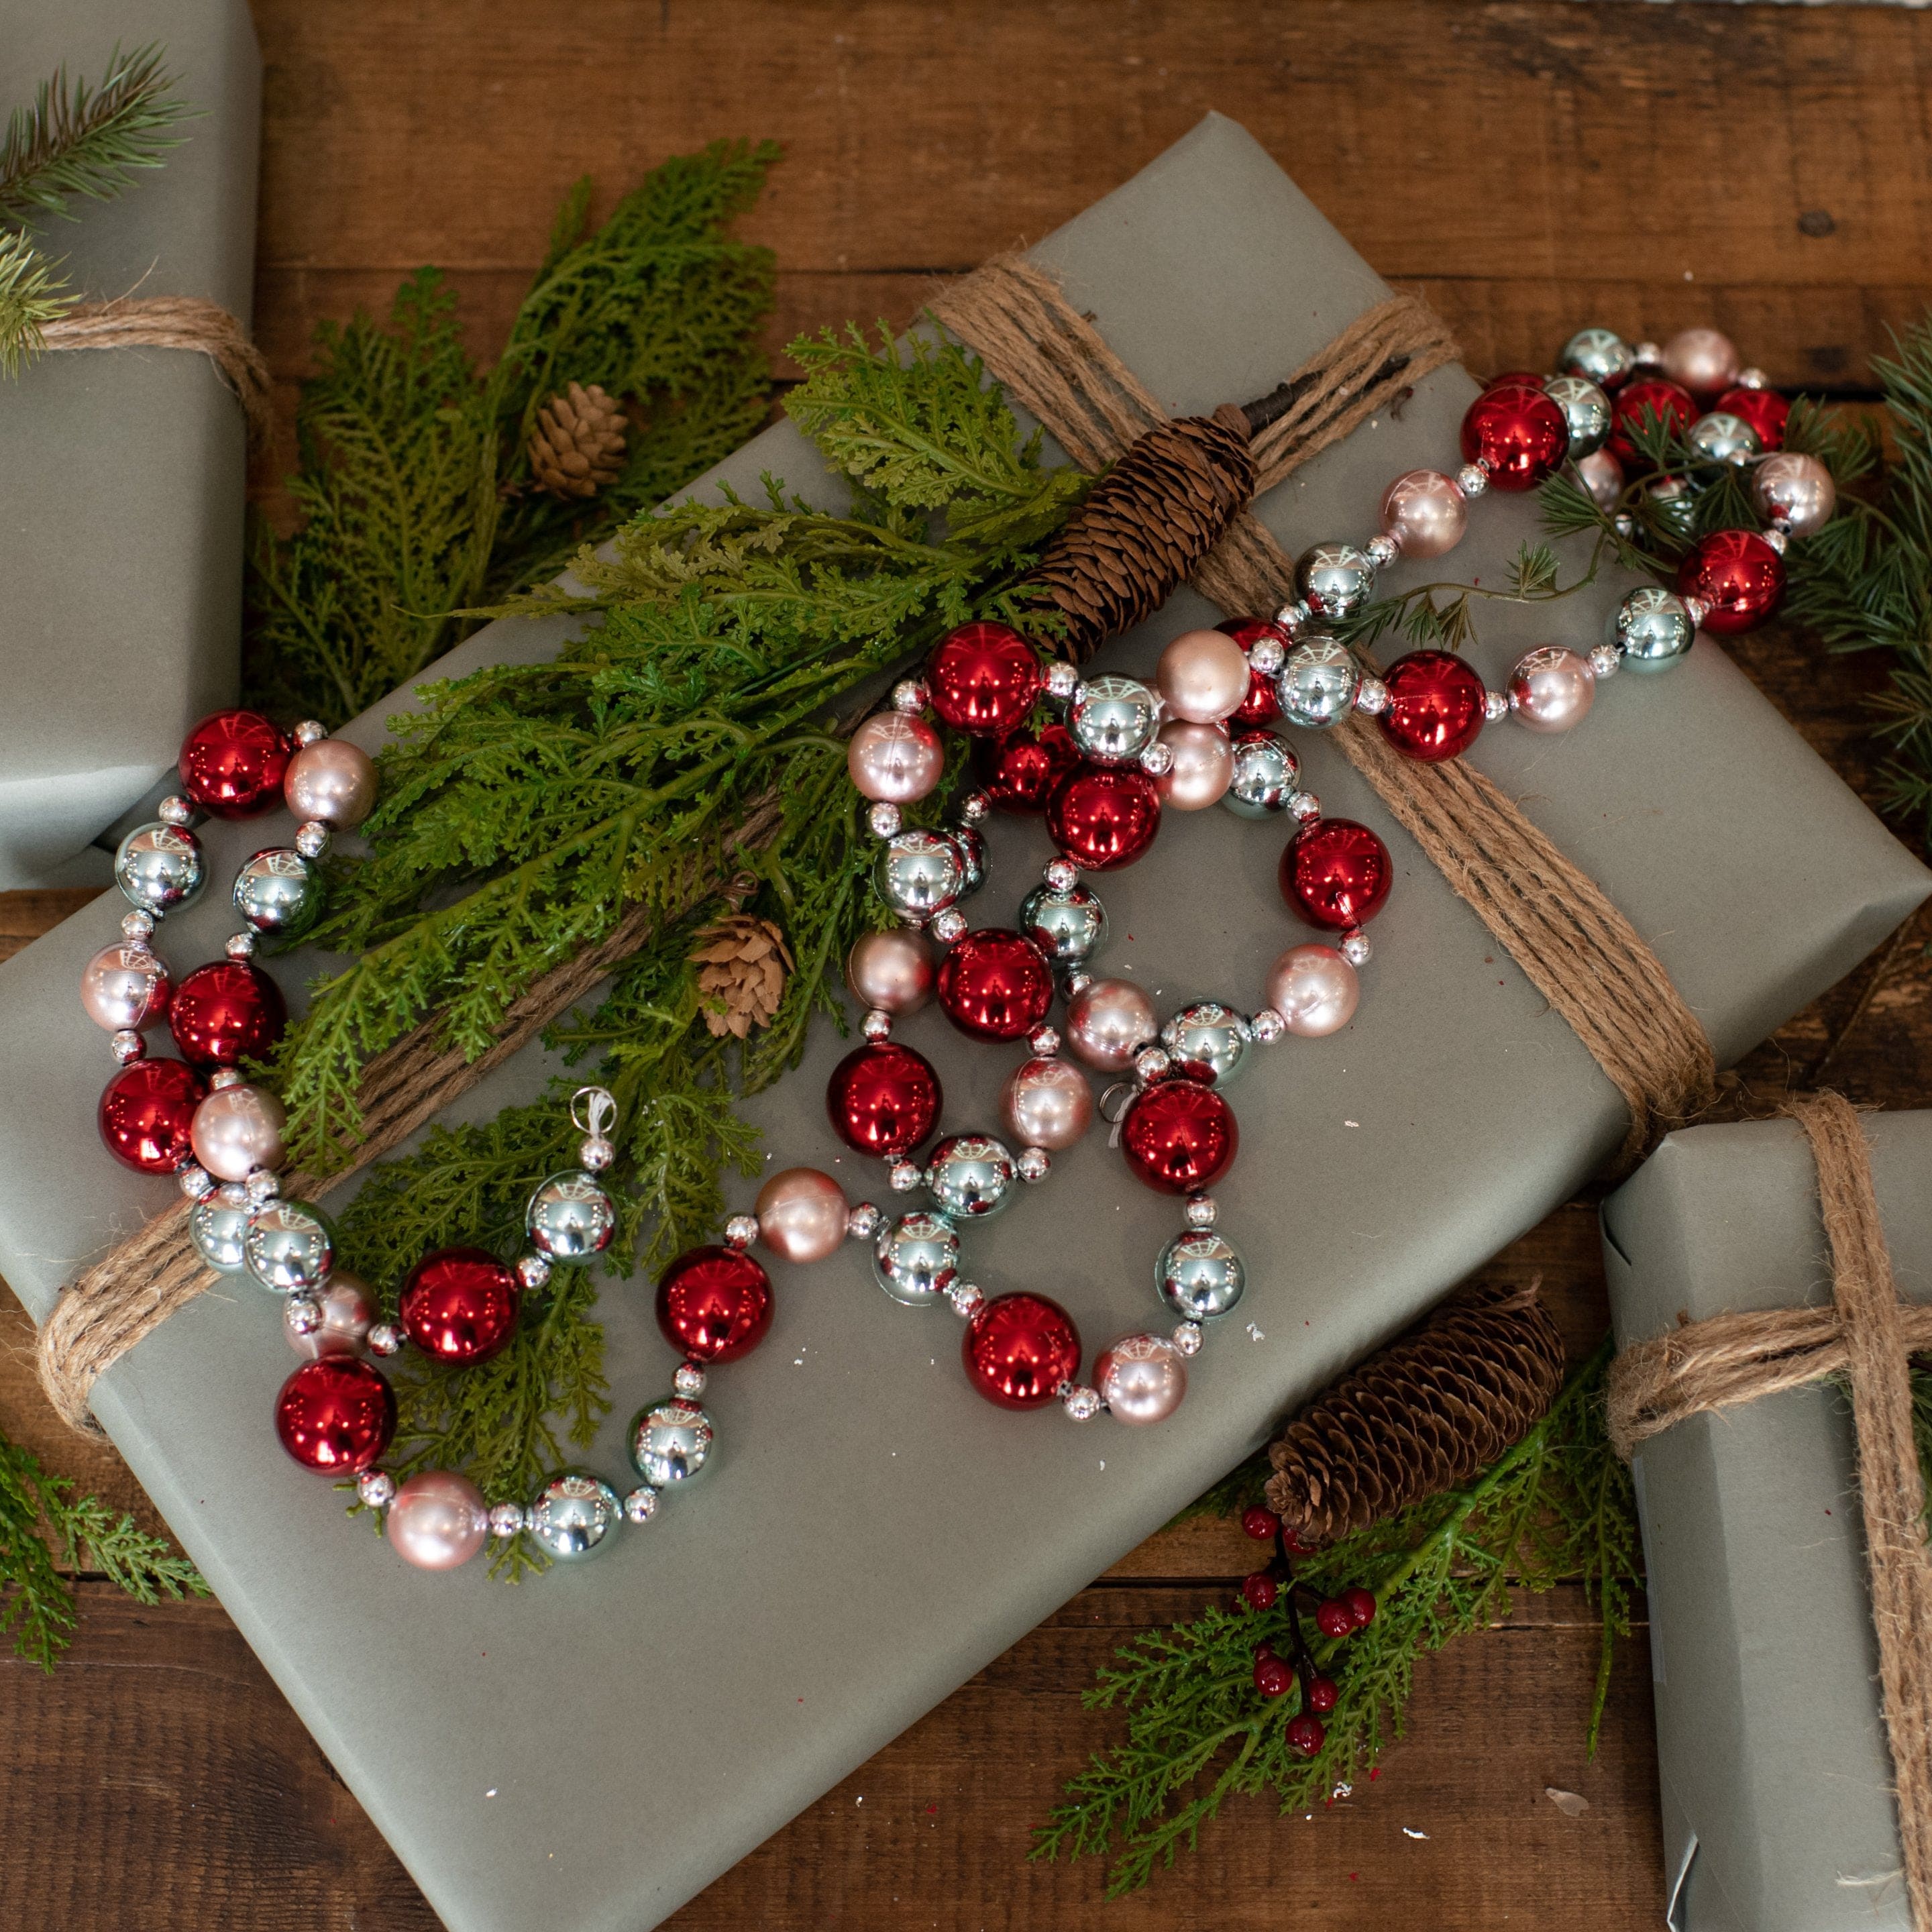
[438,1520]
[1798,488]
[1551,688]
[1203,676]
[331,780]
[896,758]
[1203,766]
[237,1129]
[1603,476]
[1141,1378]
[1424,513]
[1108,1021]
[348,1313]
[123,987]
[893,971]
[1701,360]
[1046,1103]
[802,1215]
[1314,989]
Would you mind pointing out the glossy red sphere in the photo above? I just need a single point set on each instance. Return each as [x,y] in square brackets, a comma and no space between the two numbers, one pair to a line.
[1765,410]
[1180,1136]
[1320,1694]
[1516,379]
[1262,705]
[1435,706]
[715,1304]
[336,1414]
[1260,1522]
[1019,1348]
[147,1114]
[1104,816]
[1738,574]
[1637,402]
[226,1012]
[1332,1619]
[233,764]
[984,678]
[1519,432]
[1274,1677]
[1336,873]
[995,985]
[1018,772]
[1259,1590]
[1305,1734]
[460,1304]
[884,1098]
[1360,1605]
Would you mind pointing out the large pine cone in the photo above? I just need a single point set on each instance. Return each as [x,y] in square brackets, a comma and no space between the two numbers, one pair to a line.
[578,444]
[742,965]
[1425,1415]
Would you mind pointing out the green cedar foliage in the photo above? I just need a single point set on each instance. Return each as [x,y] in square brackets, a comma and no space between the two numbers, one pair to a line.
[414,486]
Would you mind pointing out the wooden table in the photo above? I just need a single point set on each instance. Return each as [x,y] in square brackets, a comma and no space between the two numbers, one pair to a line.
[1528,168]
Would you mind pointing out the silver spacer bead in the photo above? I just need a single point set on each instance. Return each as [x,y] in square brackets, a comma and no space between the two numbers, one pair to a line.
[1697,609]
[1355,948]
[533,1270]
[884,818]
[1472,479]
[596,1153]
[903,1176]
[949,927]
[1605,660]
[1752,378]
[1777,538]
[385,1338]
[1151,1064]
[226,1076]
[1372,696]
[241,946]
[1201,1210]
[909,695]
[974,807]
[1267,1026]
[1496,705]
[307,733]
[137,928]
[1062,680]
[262,1187]
[128,1046]
[1382,551]
[640,1505]
[174,810]
[689,1379]
[1625,525]
[1034,1163]
[1156,759]
[1079,1401]
[1305,806]
[862,1222]
[506,1520]
[1061,875]
[1187,1338]
[312,839]
[1077,983]
[965,1297]
[1043,1043]
[878,1024]
[303,1314]
[741,1230]
[1646,354]
[376,1487]
[1267,655]
[1291,617]
[197,1183]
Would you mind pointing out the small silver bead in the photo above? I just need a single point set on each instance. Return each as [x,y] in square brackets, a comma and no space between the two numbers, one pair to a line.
[197,1183]
[1187,1338]
[1062,680]
[1080,1401]
[949,927]
[226,1076]
[741,1230]
[640,1505]
[884,818]
[689,1379]
[1061,875]
[308,731]
[1267,655]
[174,810]
[1372,696]
[261,1187]
[376,1487]
[909,695]
[1151,1064]
[1306,806]
[1646,354]
[128,1046]
[1776,538]
[303,1314]
[1034,1163]
[1201,1210]
[1604,659]
[1496,705]
[1078,982]
[506,1520]
[1473,478]
[904,1176]
[533,1270]
[241,946]
[137,928]
[1045,1043]
[1752,378]
[596,1153]
[384,1338]
[1355,948]
[1267,1026]
[1291,617]
[1156,759]
[312,839]
[1382,551]
[974,807]
[862,1222]
[964,1297]
[1625,525]
[878,1024]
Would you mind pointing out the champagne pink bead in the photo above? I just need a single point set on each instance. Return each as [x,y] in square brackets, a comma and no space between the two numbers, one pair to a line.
[238,1130]
[1314,989]
[1141,1378]
[1203,766]
[894,758]
[893,971]
[1108,1022]
[333,781]
[124,986]
[1702,361]
[1799,490]
[802,1215]
[348,1313]
[1424,513]
[1551,688]
[1046,1103]
[1203,676]
[438,1520]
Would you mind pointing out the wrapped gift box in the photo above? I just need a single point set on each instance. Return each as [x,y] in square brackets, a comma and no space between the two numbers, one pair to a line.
[122,470]
[1778,1814]
[590,1750]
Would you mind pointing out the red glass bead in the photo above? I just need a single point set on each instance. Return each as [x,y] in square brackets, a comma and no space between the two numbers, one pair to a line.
[884,1098]
[147,1114]
[1521,379]
[1019,772]
[1435,706]
[1637,402]
[1259,1590]
[1737,574]
[1262,705]
[1305,1734]
[226,1012]
[1332,1619]
[1360,1605]
[336,1414]
[1519,432]
[995,985]
[1260,1522]
[233,764]
[1320,1694]
[1019,1348]
[984,678]
[1765,410]
[1336,873]
[1104,816]
[460,1305]
[715,1303]
[1180,1136]
[1273,1677]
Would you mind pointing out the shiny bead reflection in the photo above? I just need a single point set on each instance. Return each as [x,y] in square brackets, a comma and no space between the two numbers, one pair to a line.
[1046,1103]
[1314,989]
[348,1314]
[1108,1021]
[1199,1274]
[1213,1035]
[916,1258]
[1069,927]
[1654,628]
[1551,688]
[574,1515]
[1586,413]
[1720,437]
[216,1224]
[801,1214]
[1797,490]
[438,1520]
[920,875]
[1318,684]
[160,867]
[892,971]
[1265,774]
[277,891]
[289,1248]
[1334,579]
[1141,1378]
[671,1442]
[1113,719]
[570,1217]
[124,988]
[970,1177]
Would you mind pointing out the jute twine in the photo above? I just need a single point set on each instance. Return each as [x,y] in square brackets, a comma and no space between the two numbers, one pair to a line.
[174,322]
[1867,1336]
[1579,952]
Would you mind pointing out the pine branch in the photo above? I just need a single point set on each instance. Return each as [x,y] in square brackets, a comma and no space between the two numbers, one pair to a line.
[32,294]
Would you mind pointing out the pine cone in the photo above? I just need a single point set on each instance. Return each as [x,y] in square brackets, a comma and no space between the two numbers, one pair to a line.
[1143,528]
[578,444]
[742,965]
[1423,1415]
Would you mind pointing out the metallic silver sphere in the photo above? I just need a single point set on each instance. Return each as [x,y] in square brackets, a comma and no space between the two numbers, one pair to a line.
[1214,1035]
[671,1442]
[1108,1021]
[916,1258]
[972,843]
[1334,579]
[1796,490]
[1200,1274]
[573,1515]
[1318,685]
[1721,437]
[971,1177]
[160,867]
[1653,629]
[1600,356]
[1113,719]
[1069,927]
[277,891]
[1674,501]
[289,1247]
[1141,1378]
[570,1217]
[217,1224]
[1266,773]
[1586,411]
[640,1505]
[919,874]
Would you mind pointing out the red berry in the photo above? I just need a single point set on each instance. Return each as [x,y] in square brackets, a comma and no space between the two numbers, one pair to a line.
[1295,1544]
[1259,1590]
[1319,1694]
[1263,1649]
[1305,1734]
[1361,1605]
[1273,1677]
[1260,1523]
[1334,1619]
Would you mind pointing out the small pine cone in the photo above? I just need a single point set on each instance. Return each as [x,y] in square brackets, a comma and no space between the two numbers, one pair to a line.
[578,444]
[1423,1415]
[742,965]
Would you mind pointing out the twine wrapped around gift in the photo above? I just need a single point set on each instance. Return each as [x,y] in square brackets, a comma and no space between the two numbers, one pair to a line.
[1866,1336]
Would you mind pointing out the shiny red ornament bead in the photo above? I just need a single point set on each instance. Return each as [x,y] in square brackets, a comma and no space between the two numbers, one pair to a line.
[1259,1590]
[233,764]
[147,1114]
[1519,432]
[1521,379]
[1435,706]
[1260,1522]
[226,1012]
[1765,410]
[1336,873]
[1305,1734]
[1273,1677]
[995,985]
[460,1305]
[336,1414]
[1360,1605]
[1019,1348]
[1180,1136]
[1737,574]
[1262,705]
[1104,816]
[1019,772]
[715,1303]
[884,1098]
[984,678]
[1637,402]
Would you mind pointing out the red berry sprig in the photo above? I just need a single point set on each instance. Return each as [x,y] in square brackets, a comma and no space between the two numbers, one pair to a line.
[1337,1618]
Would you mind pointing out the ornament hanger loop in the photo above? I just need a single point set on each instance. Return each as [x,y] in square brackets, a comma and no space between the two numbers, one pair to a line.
[592,1111]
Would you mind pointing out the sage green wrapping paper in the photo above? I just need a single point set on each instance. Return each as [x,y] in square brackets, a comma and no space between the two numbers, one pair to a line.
[1778,1814]
[122,470]
[588,1751]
